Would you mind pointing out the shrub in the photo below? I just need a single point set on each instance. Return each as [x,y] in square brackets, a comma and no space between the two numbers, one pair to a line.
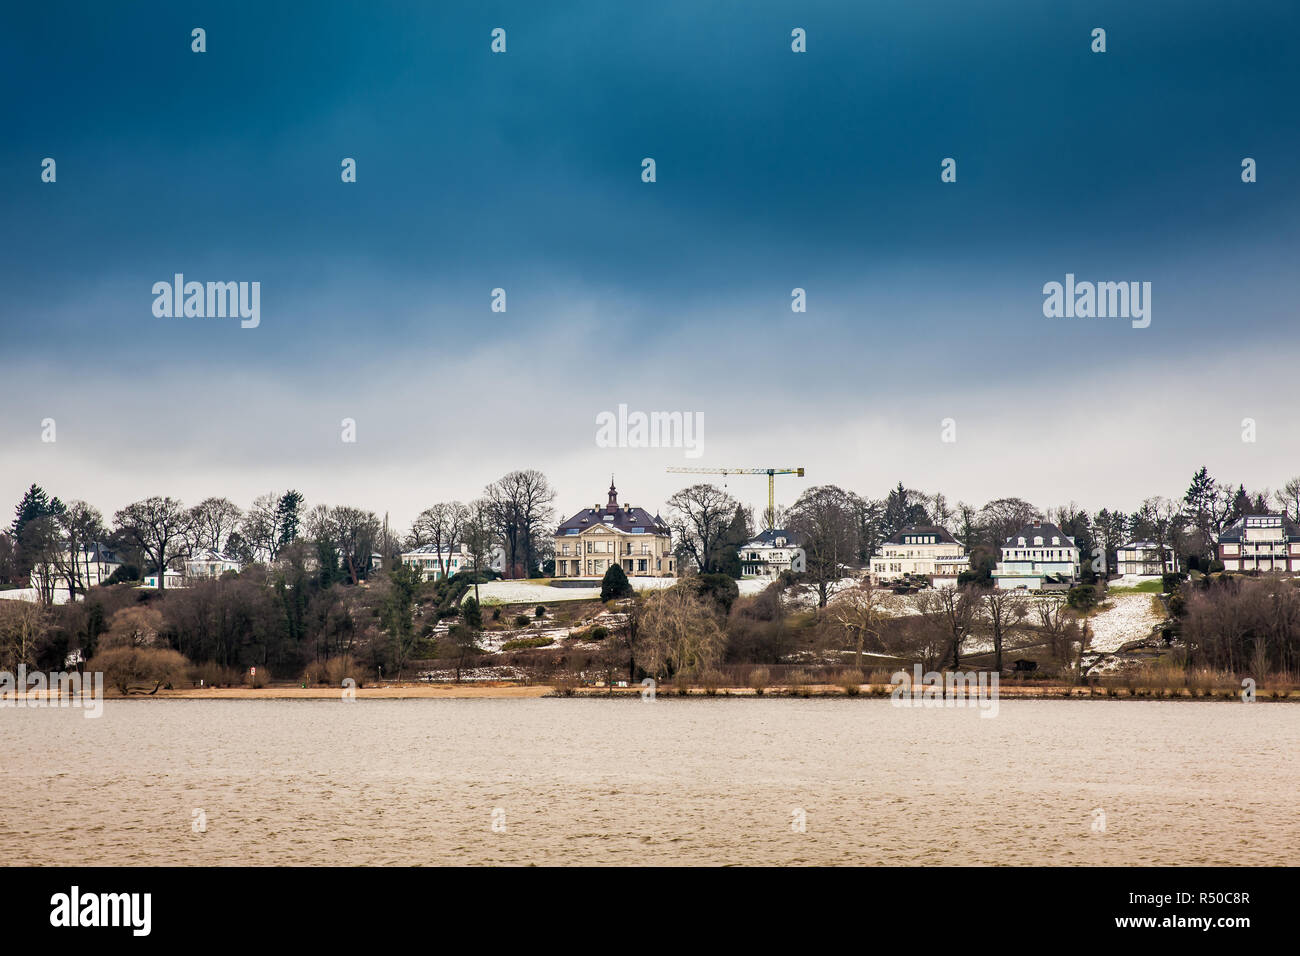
[758,680]
[314,673]
[719,588]
[212,674]
[1082,597]
[471,613]
[798,681]
[564,684]
[711,680]
[598,633]
[126,666]
[852,681]
[521,620]
[124,573]
[615,584]
[539,612]
[496,614]
[259,676]
[526,642]
[338,668]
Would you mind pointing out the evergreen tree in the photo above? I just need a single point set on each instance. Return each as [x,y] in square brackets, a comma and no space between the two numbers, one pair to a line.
[35,504]
[472,614]
[615,584]
[902,509]
[726,559]
[287,514]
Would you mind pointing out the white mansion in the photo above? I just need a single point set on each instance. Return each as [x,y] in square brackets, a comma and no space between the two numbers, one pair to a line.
[1039,557]
[1261,543]
[595,538]
[1143,559]
[919,550]
[93,564]
[771,554]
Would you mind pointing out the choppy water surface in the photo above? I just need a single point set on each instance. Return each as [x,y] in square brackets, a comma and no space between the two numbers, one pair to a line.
[670,782]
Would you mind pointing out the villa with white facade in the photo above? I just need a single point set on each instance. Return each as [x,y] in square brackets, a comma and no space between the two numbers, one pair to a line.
[771,554]
[1268,542]
[95,564]
[919,550]
[1142,559]
[1039,557]
[209,564]
[434,563]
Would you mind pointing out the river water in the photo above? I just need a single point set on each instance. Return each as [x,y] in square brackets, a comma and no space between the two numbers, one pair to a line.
[590,781]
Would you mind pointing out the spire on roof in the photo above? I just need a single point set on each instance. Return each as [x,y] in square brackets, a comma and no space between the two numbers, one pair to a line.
[613,495]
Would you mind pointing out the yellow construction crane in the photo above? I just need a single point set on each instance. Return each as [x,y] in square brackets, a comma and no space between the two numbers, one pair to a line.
[771,480]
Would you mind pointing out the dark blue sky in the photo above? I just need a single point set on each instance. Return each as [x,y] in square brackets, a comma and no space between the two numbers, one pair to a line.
[522,170]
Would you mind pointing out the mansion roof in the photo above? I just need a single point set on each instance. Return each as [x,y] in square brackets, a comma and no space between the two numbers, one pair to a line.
[942,535]
[1234,533]
[616,517]
[1040,529]
[770,537]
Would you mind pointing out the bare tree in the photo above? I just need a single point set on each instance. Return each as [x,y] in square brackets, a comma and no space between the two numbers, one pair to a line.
[862,611]
[42,544]
[443,527]
[355,532]
[1003,517]
[950,612]
[1288,498]
[261,527]
[158,526]
[520,505]
[1005,612]
[80,527]
[1056,627]
[212,521]
[678,634]
[826,519]
[23,627]
[699,517]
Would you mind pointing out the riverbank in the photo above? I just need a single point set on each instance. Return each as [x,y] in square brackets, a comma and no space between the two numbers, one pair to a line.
[1004,692]
[502,690]
[403,691]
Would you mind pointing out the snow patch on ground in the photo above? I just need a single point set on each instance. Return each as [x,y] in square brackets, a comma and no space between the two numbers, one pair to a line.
[536,592]
[1131,619]
[31,594]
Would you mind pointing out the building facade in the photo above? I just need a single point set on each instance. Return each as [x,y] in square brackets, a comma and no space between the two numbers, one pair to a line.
[919,550]
[1039,557]
[771,554]
[1142,559]
[433,564]
[597,537]
[209,564]
[95,564]
[1268,542]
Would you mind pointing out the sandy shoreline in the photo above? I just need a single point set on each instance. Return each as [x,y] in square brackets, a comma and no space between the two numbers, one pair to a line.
[383,692]
[507,691]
